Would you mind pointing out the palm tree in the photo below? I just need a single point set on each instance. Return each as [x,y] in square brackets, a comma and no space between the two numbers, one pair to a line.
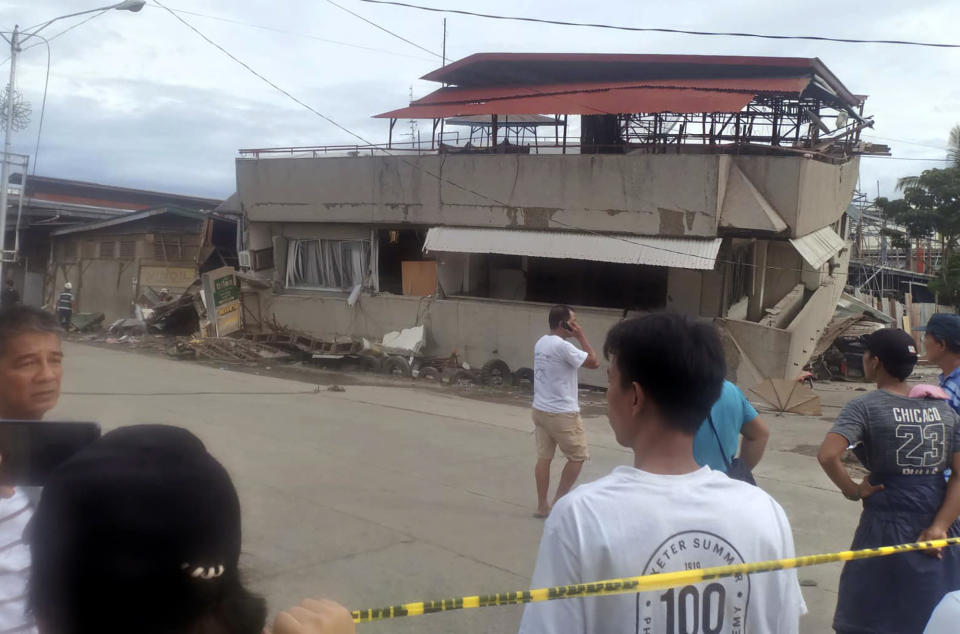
[953,156]
[953,146]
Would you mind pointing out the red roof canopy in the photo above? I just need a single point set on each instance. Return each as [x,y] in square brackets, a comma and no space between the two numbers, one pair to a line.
[661,95]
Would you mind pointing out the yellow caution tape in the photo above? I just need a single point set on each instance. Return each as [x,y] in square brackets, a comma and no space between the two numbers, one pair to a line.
[660,581]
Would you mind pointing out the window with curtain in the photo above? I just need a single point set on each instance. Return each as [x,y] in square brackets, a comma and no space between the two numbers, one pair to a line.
[338,265]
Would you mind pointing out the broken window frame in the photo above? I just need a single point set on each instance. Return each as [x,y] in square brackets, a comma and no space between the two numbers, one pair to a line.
[331,259]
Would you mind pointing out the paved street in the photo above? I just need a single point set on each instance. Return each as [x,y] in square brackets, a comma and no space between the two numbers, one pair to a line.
[380,495]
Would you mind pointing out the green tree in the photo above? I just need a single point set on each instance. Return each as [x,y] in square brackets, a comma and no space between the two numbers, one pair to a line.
[930,208]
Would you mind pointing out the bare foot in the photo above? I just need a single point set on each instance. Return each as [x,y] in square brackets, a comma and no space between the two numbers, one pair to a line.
[542,513]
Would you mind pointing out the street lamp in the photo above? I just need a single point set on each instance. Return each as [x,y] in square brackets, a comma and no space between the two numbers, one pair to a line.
[16,39]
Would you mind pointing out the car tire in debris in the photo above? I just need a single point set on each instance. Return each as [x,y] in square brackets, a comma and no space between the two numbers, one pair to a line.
[523,377]
[397,366]
[429,373]
[495,373]
[461,377]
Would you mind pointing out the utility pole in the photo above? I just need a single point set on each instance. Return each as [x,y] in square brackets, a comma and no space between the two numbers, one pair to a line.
[8,128]
[444,52]
[15,40]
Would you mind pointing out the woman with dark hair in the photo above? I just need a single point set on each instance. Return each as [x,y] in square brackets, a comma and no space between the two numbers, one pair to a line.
[906,444]
[140,532]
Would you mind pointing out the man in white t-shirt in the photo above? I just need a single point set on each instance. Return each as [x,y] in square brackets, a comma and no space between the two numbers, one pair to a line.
[665,513]
[556,406]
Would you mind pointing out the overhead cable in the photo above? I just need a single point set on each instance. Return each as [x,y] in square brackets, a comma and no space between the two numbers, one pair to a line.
[767,36]
[286,32]
[385,29]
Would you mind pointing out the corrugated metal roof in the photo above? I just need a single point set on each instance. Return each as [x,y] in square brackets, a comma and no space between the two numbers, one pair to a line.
[625,249]
[673,95]
[544,68]
[818,247]
[143,215]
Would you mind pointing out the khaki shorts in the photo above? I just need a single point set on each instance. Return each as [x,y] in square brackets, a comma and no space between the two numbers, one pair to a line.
[565,430]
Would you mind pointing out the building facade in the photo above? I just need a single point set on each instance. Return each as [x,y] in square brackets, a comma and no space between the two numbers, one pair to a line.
[112,263]
[42,205]
[722,196]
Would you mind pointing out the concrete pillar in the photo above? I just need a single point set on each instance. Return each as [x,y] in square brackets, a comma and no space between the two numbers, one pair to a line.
[755,307]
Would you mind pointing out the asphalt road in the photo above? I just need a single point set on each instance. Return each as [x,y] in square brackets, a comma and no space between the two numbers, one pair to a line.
[380,495]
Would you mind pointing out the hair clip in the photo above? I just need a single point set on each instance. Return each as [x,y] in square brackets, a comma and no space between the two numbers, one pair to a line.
[206,574]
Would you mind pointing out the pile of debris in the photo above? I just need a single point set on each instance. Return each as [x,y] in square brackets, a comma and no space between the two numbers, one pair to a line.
[839,351]
[228,349]
[180,316]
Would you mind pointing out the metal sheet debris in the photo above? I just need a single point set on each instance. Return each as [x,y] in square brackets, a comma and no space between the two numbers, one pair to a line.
[626,249]
[819,246]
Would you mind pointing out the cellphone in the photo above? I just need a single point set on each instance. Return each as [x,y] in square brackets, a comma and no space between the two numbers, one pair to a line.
[31,449]
[566,325]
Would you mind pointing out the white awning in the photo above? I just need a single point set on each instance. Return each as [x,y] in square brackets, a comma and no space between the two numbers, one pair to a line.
[626,249]
[818,247]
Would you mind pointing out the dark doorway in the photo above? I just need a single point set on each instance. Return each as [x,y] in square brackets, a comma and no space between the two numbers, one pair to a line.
[395,247]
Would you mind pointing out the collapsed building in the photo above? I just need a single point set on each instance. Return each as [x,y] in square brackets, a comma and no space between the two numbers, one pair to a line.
[715,186]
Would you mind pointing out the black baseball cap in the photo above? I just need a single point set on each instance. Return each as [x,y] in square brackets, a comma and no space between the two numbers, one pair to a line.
[944,327]
[892,346]
[142,524]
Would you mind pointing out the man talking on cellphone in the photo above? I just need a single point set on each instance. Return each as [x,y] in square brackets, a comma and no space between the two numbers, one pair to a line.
[31,366]
[556,406]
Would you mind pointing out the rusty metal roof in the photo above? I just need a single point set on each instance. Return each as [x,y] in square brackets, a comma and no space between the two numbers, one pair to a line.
[484,69]
[671,95]
[624,249]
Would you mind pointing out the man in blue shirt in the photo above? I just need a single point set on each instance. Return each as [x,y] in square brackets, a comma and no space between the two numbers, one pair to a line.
[732,416]
[942,343]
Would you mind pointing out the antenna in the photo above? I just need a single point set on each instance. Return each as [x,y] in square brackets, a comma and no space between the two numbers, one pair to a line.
[413,124]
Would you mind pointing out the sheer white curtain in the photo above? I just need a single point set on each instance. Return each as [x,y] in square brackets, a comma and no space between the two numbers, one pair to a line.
[327,264]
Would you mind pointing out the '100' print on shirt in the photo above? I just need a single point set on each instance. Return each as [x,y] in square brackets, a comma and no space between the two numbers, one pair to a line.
[712,607]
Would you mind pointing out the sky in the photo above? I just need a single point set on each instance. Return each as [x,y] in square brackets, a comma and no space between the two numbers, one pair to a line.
[140,100]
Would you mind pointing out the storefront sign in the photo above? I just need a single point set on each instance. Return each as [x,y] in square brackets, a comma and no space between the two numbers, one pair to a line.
[222,294]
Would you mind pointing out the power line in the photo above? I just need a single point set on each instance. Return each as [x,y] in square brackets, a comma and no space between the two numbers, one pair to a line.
[261,77]
[43,105]
[286,32]
[905,158]
[69,28]
[56,35]
[384,29]
[918,144]
[635,29]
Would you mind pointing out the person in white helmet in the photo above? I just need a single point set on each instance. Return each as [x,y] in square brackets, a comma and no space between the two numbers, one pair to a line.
[65,306]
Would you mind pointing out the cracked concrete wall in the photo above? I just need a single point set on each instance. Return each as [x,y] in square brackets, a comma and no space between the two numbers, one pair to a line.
[807,194]
[670,195]
[673,195]
[477,329]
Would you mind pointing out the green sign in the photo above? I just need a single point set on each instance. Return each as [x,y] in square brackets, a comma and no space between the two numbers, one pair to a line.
[223,300]
[225,290]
